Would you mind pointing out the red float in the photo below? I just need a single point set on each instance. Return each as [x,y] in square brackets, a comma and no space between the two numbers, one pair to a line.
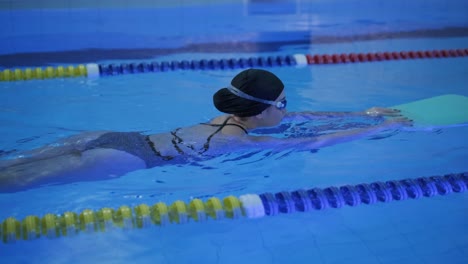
[370,57]
[310,60]
[379,56]
[336,58]
[404,55]
[318,59]
[388,56]
[327,59]
[353,57]
[344,58]
[428,54]
[362,57]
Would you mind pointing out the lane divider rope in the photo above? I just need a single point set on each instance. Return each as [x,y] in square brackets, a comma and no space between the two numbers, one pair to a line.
[93,70]
[248,205]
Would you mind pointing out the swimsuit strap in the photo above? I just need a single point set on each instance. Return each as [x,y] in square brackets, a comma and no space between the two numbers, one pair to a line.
[176,140]
[153,148]
[239,126]
[179,140]
[206,146]
[226,124]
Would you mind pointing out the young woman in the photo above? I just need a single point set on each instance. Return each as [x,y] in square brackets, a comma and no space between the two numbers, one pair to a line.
[254,99]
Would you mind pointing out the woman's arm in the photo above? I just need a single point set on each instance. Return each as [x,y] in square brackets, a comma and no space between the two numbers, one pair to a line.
[371,113]
[326,140]
[350,135]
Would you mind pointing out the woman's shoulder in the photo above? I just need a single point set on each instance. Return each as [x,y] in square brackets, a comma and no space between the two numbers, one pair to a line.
[218,119]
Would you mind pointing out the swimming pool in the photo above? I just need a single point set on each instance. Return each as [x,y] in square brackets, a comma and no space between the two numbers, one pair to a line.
[426,230]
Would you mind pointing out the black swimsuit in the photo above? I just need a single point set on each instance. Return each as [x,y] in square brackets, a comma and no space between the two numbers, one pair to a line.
[131,142]
[141,146]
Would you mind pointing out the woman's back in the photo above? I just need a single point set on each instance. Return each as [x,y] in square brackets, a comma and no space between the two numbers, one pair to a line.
[198,141]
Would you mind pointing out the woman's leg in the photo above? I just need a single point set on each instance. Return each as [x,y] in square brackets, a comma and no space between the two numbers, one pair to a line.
[66,161]
[89,165]
[73,145]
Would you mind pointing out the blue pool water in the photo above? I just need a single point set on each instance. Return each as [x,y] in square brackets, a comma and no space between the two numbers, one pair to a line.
[33,113]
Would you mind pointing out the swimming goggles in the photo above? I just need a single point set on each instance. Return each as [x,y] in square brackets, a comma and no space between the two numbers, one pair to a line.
[278,104]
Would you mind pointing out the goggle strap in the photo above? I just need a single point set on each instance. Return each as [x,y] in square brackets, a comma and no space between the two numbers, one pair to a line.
[241,94]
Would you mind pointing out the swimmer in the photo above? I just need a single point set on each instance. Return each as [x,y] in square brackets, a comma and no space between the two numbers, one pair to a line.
[254,99]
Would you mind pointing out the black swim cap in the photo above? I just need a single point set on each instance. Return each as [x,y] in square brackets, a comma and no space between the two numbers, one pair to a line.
[254,82]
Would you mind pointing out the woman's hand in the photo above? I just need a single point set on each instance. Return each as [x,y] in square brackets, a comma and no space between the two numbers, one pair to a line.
[381,111]
[398,122]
